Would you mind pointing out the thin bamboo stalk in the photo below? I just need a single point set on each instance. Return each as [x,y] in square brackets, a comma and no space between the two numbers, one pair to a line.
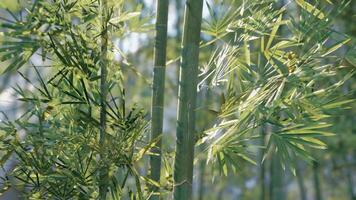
[263,167]
[277,187]
[103,173]
[301,185]
[178,6]
[158,92]
[183,167]
[317,190]
[201,190]
[205,121]
[350,182]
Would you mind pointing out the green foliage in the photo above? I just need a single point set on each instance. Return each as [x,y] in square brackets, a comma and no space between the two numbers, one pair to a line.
[287,82]
[279,78]
[12,5]
[56,140]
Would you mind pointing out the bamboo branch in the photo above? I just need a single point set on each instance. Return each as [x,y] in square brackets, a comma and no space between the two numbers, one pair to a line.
[103,176]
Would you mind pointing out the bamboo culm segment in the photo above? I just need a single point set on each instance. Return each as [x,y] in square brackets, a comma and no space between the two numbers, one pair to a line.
[317,188]
[183,166]
[158,92]
[103,173]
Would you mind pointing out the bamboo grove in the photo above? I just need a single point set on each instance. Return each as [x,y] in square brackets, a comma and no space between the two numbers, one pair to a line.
[262,90]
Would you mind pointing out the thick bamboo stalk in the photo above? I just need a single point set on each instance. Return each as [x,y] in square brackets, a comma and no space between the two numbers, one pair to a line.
[103,173]
[158,91]
[183,167]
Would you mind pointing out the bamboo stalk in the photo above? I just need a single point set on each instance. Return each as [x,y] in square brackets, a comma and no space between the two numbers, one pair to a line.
[317,189]
[179,20]
[277,191]
[158,92]
[204,120]
[201,190]
[178,6]
[103,182]
[183,167]
[350,183]
[263,167]
[301,185]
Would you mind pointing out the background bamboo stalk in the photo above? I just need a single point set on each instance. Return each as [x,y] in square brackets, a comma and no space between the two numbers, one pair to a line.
[300,180]
[183,168]
[204,101]
[178,25]
[317,190]
[277,190]
[158,91]
[350,182]
[262,167]
[103,176]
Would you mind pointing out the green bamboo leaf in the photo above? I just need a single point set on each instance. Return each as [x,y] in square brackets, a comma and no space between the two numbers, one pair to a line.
[5,158]
[148,147]
[11,5]
[125,17]
[247,53]
[310,8]
[245,157]
[318,143]
[274,32]
[336,47]
[150,181]
[285,44]
[338,104]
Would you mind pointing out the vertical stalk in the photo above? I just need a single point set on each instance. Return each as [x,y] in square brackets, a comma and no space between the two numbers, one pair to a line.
[201,180]
[277,180]
[263,167]
[178,22]
[272,179]
[350,184]
[301,185]
[205,120]
[263,181]
[183,166]
[103,173]
[178,6]
[349,179]
[220,194]
[159,72]
[263,132]
[316,181]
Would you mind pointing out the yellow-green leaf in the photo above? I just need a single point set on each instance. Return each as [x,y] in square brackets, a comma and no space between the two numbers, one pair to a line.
[310,8]
[125,17]
[336,47]
[274,31]
[247,53]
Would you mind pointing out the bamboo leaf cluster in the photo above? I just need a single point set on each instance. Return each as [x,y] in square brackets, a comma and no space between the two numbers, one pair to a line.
[56,140]
[267,79]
